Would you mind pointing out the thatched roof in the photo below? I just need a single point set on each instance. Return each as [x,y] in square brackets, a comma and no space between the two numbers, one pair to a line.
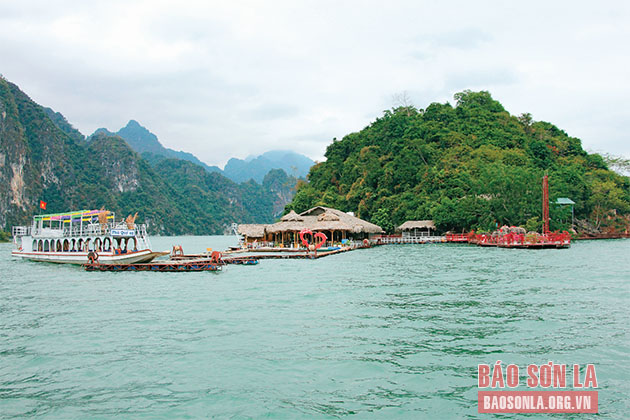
[323,218]
[316,219]
[252,231]
[282,226]
[327,217]
[344,221]
[417,224]
[292,216]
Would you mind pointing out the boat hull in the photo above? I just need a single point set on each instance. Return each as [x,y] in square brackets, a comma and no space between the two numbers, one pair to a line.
[143,256]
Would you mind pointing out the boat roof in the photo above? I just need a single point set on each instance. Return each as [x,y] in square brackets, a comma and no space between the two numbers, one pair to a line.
[86,215]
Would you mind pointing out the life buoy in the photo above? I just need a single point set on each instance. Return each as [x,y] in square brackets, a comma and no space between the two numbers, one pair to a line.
[92,257]
[366,243]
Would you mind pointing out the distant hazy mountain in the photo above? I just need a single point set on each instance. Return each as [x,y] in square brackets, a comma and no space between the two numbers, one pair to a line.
[294,164]
[147,144]
[149,147]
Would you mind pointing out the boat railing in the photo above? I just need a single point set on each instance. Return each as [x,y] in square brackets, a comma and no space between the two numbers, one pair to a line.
[92,229]
[20,231]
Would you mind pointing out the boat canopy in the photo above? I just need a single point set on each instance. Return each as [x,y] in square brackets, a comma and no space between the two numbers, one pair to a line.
[75,216]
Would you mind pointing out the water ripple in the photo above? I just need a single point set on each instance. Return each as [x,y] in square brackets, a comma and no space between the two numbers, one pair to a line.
[389,332]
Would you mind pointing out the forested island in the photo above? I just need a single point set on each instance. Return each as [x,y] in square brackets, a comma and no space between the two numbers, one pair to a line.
[468,166]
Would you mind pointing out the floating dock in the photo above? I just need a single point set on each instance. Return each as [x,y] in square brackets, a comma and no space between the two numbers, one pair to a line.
[287,253]
[550,240]
[244,260]
[400,239]
[168,266]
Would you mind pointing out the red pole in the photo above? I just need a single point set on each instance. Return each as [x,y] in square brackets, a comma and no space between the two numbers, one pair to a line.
[545,205]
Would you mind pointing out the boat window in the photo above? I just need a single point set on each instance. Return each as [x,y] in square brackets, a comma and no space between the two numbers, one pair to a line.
[107,243]
[34,247]
[74,242]
[46,246]
[40,245]
[80,245]
[87,245]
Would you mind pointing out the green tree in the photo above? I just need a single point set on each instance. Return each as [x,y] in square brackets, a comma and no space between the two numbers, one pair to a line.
[382,218]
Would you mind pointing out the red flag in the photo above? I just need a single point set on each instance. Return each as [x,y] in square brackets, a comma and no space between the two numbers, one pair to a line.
[42,205]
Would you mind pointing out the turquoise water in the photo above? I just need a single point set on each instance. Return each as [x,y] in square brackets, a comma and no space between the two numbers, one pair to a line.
[390,332]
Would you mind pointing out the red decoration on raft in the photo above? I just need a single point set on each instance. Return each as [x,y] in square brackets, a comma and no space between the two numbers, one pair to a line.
[303,233]
[321,236]
[316,243]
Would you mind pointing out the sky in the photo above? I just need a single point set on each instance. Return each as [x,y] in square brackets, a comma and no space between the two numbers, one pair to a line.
[235,78]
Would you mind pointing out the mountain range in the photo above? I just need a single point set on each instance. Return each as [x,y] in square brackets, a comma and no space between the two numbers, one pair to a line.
[42,157]
[147,144]
[256,168]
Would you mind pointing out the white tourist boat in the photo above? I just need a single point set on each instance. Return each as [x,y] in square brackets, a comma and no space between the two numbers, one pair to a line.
[83,236]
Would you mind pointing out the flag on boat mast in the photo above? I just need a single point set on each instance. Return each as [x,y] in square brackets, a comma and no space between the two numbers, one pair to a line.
[42,205]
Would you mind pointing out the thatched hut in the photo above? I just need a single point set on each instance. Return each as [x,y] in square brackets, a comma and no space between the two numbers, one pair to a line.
[252,232]
[417,228]
[335,224]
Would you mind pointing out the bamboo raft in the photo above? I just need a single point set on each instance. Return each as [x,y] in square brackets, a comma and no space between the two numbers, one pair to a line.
[244,260]
[282,254]
[180,263]
[168,266]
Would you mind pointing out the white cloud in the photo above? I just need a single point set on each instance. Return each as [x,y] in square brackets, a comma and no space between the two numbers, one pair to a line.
[225,79]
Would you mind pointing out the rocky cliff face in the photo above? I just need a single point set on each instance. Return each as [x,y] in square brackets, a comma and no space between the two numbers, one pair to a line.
[21,176]
[118,165]
[40,161]
[42,157]
[282,187]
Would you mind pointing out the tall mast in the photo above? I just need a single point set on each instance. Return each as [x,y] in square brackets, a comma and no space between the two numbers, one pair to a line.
[545,205]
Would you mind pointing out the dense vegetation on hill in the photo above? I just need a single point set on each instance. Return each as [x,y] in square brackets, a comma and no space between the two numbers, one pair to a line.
[42,157]
[469,166]
[63,124]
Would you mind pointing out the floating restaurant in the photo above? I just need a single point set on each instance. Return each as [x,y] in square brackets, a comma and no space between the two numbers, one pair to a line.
[338,226]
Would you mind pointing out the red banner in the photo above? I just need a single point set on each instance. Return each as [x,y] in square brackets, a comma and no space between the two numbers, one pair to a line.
[42,205]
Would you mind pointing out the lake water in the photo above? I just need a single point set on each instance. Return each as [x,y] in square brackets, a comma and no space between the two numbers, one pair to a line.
[389,332]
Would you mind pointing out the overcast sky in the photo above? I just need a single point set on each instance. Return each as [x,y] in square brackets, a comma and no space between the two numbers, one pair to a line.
[224,79]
